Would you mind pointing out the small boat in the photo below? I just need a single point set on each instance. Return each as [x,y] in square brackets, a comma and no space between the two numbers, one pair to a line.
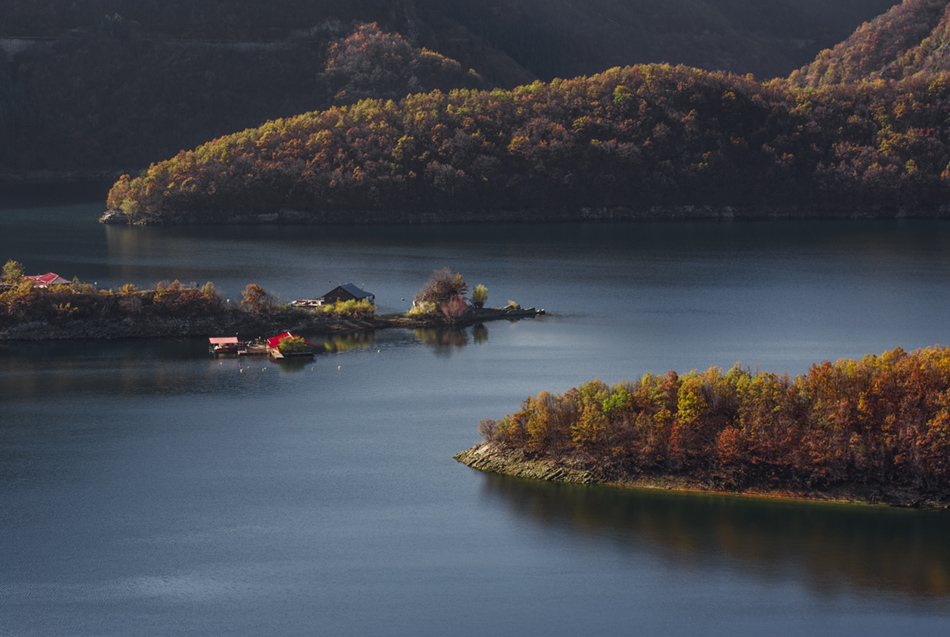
[254,348]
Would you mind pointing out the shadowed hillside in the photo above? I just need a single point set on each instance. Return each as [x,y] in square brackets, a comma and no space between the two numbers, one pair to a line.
[101,85]
[561,38]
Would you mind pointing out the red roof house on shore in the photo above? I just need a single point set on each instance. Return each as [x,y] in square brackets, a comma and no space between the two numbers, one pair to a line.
[274,341]
[48,279]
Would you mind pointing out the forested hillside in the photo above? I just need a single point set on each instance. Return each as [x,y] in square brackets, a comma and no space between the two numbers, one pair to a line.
[100,85]
[909,39]
[636,137]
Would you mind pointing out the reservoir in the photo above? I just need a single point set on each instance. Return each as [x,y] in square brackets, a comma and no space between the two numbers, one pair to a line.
[146,488]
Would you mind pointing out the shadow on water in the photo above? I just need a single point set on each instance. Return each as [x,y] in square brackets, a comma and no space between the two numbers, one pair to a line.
[831,547]
[171,366]
[33,370]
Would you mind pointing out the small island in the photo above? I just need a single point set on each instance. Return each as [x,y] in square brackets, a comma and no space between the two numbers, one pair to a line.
[874,431]
[31,310]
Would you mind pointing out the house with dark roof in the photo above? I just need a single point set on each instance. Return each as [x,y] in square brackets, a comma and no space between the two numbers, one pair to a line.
[347,292]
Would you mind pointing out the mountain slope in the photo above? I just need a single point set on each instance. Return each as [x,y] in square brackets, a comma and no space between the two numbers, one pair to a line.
[118,84]
[909,39]
[546,38]
[565,38]
[644,138]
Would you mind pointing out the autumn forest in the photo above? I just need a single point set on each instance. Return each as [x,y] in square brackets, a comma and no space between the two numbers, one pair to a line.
[830,139]
[880,423]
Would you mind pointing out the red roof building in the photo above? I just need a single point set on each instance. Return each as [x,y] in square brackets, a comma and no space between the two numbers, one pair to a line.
[274,341]
[223,340]
[48,279]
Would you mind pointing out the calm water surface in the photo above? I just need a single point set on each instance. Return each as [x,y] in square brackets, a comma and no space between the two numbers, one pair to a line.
[148,489]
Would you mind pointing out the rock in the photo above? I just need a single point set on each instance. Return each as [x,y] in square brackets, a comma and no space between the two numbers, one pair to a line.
[113,217]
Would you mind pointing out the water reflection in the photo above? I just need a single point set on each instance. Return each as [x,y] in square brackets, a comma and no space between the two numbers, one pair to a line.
[479,333]
[171,366]
[31,371]
[346,342]
[831,547]
[445,339]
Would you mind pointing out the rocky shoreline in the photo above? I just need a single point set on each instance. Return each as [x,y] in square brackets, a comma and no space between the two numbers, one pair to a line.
[494,458]
[236,322]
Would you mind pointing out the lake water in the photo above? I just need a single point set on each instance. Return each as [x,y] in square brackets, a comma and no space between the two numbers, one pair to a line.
[146,488]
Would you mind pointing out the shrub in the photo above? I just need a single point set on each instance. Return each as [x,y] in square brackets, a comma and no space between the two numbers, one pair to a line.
[19,300]
[421,308]
[294,345]
[351,308]
[479,296]
[441,287]
[454,309]
[256,299]
[12,272]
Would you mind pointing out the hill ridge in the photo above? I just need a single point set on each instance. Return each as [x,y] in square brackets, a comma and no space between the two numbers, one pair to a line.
[901,43]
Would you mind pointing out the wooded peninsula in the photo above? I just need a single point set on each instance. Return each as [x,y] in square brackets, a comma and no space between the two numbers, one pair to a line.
[76,310]
[859,132]
[650,141]
[875,430]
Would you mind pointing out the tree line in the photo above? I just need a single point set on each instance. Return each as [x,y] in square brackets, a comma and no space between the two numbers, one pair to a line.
[640,136]
[22,301]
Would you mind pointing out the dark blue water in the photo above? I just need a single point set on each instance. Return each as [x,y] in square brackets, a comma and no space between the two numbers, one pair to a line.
[148,489]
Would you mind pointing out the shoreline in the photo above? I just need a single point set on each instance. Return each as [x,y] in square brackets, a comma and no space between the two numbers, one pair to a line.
[593,214]
[493,458]
[237,322]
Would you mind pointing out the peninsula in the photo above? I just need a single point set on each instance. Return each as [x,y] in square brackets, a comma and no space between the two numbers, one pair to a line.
[859,132]
[644,142]
[874,431]
[31,312]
